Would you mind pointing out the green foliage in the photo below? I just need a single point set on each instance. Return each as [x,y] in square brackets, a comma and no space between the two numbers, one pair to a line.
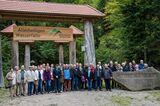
[6,51]
[136,24]
[156,94]
[43,52]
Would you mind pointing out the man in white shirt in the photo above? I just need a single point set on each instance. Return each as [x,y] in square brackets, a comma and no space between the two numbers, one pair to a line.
[36,78]
[30,79]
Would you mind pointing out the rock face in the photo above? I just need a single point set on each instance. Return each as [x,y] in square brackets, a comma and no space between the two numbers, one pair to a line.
[140,80]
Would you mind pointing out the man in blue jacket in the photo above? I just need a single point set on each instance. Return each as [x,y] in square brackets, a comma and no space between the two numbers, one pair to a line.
[67,78]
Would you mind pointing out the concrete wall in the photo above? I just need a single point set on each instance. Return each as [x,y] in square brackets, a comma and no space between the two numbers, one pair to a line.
[141,80]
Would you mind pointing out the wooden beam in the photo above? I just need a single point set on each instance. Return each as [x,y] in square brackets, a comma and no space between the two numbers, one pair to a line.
[72,52]
[61,55]
[89,43]
[1,70]
[29,17]
[15,53]
[27,56]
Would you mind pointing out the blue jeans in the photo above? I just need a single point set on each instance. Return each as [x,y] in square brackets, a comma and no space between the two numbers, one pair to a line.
[76,83]
[57,85]
[89,84]
[40,85]
[47,85]
[30,88]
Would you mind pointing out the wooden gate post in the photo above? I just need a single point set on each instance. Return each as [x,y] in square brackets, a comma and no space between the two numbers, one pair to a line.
[27,56]
[1,70]
[61,55]
[89,43]
[15,53]
[72,52]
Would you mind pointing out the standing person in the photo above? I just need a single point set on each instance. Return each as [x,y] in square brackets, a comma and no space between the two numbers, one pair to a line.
[80,76]
[30,80]
[113,69]
[93,71]
[23,81]
[100,65]
[141,65]
[125,66]
[43,82]
[83,79]
[72,76]
[47,79]
[18,81]
[36,78]
[85,73]
[76,72]
[62,77]
[95,79]
[107,77]
[99,75]
[131,67]
[52,78]
[135,66]
[67,79]
[40,79]
[11,78]
[119,68]
[90,76]
[57,75]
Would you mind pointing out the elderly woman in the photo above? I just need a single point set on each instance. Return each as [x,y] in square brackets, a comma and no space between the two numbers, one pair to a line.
[11,78]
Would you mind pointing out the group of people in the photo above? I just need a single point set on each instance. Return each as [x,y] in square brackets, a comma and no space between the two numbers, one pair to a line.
[59,78]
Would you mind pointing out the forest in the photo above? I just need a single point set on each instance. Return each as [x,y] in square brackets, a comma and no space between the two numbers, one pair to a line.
[129,31]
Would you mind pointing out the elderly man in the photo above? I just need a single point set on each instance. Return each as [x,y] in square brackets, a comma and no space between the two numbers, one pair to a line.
[18,81]
[107,77]
[36,78]
[30,79]
[23,81]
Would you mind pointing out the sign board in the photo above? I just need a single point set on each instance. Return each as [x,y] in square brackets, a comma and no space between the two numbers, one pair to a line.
[83,48]
[33,33]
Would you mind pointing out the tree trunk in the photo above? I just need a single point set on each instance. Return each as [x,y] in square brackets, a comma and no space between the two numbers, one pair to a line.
[145,55]
[27,56]
[1,70]
[15,53]
[72,52]
[89,43]
[61,56]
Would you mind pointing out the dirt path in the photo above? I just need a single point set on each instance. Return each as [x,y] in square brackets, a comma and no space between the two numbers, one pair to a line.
[85,98]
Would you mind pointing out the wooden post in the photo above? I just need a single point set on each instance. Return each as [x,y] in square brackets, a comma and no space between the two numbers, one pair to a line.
[72,52]
[27,56]
[89,43]
[61,56]
[1,70]
[15,53]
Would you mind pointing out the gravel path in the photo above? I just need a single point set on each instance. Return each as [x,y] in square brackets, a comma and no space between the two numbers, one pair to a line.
[86,98]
